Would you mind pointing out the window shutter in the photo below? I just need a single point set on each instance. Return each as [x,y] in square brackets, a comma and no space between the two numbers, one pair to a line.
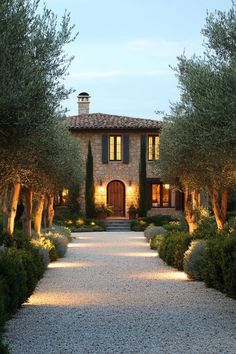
[126,149]
[179,201]
[105,149]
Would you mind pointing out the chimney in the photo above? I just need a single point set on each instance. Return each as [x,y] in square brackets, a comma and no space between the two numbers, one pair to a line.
[83,103]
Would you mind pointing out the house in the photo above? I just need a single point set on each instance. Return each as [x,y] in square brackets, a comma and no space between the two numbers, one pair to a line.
[115,142]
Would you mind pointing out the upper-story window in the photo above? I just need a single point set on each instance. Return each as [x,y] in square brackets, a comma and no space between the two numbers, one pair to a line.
[153,147]
[115,147]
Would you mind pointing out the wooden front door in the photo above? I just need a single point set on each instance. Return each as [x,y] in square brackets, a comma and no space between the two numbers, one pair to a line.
[116,197]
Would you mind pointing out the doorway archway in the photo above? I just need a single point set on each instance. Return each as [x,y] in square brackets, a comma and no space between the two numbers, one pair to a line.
[116,197]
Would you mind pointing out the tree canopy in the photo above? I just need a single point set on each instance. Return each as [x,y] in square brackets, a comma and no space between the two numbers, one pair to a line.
[36,148]
[198,145]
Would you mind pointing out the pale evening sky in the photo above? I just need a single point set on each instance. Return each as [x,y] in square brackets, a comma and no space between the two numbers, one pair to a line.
[125,47]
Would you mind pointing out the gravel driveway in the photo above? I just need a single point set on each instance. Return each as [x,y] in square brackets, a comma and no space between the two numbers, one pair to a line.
[111,294]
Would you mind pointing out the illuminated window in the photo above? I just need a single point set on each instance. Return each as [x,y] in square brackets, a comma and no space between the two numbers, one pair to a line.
[115,147]
[156,195]
[160,195]
[166,195]
[153,147]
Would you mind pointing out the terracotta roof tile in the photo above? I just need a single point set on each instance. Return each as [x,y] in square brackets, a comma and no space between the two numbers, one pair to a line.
[109,121]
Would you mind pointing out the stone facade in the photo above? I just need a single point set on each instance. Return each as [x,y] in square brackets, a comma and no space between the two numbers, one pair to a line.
[115,170]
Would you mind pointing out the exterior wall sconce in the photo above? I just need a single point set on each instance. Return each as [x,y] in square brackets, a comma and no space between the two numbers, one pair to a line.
[166,186]
[100,186]
[130,188]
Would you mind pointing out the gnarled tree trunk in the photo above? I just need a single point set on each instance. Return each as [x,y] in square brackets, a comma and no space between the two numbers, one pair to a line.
[27,215]
[45,211]
[190,208]
[50,213]
[38,215]
[219,206]
[12,208]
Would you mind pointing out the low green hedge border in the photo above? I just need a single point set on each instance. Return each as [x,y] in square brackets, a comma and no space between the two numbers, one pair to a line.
[22,264]
[173,246]
[20,271]
[158,220]
[211,258]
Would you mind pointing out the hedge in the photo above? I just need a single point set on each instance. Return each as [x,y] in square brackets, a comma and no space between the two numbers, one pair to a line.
[173,246]
[220,263]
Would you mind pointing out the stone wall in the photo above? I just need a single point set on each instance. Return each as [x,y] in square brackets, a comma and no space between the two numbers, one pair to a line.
[164,211]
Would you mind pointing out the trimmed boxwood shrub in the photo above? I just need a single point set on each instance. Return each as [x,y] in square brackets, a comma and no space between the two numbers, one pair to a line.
[159,220]
[152,231]
[173,246]
[138,225]
[156,241]
[60,242]
[194,259]
[20,269]
[220,263]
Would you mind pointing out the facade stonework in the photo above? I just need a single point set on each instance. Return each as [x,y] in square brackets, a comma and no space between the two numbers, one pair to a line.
[116,170]
[113,170]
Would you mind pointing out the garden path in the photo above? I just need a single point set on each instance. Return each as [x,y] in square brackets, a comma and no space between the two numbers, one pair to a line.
[111,294]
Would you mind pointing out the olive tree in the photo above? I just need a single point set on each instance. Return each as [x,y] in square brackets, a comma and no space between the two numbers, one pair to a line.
[198,143]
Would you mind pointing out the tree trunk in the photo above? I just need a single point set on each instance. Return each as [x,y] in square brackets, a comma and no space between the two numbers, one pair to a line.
[4,199]
[27,215]
[50,213]
[219,210]
[38,215]
[11,210]
[190,208]
[45,211]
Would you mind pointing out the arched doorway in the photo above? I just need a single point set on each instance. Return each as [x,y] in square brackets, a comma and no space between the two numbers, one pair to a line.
[116,197]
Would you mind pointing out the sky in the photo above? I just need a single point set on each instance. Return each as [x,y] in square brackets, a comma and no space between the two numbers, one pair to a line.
[126,48]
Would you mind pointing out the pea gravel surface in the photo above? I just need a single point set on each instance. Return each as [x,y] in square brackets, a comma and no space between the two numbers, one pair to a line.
[112,294]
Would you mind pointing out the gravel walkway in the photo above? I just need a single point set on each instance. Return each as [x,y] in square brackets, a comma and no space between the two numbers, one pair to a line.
[111,294]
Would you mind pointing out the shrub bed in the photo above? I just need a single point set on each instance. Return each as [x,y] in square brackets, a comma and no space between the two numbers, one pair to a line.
[158,220]
[173,246]
[80,224]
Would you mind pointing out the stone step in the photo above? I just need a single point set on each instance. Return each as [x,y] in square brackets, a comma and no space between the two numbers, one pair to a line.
[118,225]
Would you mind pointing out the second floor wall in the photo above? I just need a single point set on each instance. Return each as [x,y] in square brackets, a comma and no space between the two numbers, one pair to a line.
[117,154]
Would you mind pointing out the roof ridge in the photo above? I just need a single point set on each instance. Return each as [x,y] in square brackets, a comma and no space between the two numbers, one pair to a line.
[112,121]
[114,115]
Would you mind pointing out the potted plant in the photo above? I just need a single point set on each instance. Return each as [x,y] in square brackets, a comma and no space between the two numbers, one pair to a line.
[132,212]
[102,211]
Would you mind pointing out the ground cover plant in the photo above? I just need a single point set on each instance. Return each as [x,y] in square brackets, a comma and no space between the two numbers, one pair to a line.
[76,222]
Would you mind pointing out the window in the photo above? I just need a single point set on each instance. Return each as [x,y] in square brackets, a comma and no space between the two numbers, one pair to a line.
[156,196]
[115,147]
[153,147]
[160,195]
[165,195]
